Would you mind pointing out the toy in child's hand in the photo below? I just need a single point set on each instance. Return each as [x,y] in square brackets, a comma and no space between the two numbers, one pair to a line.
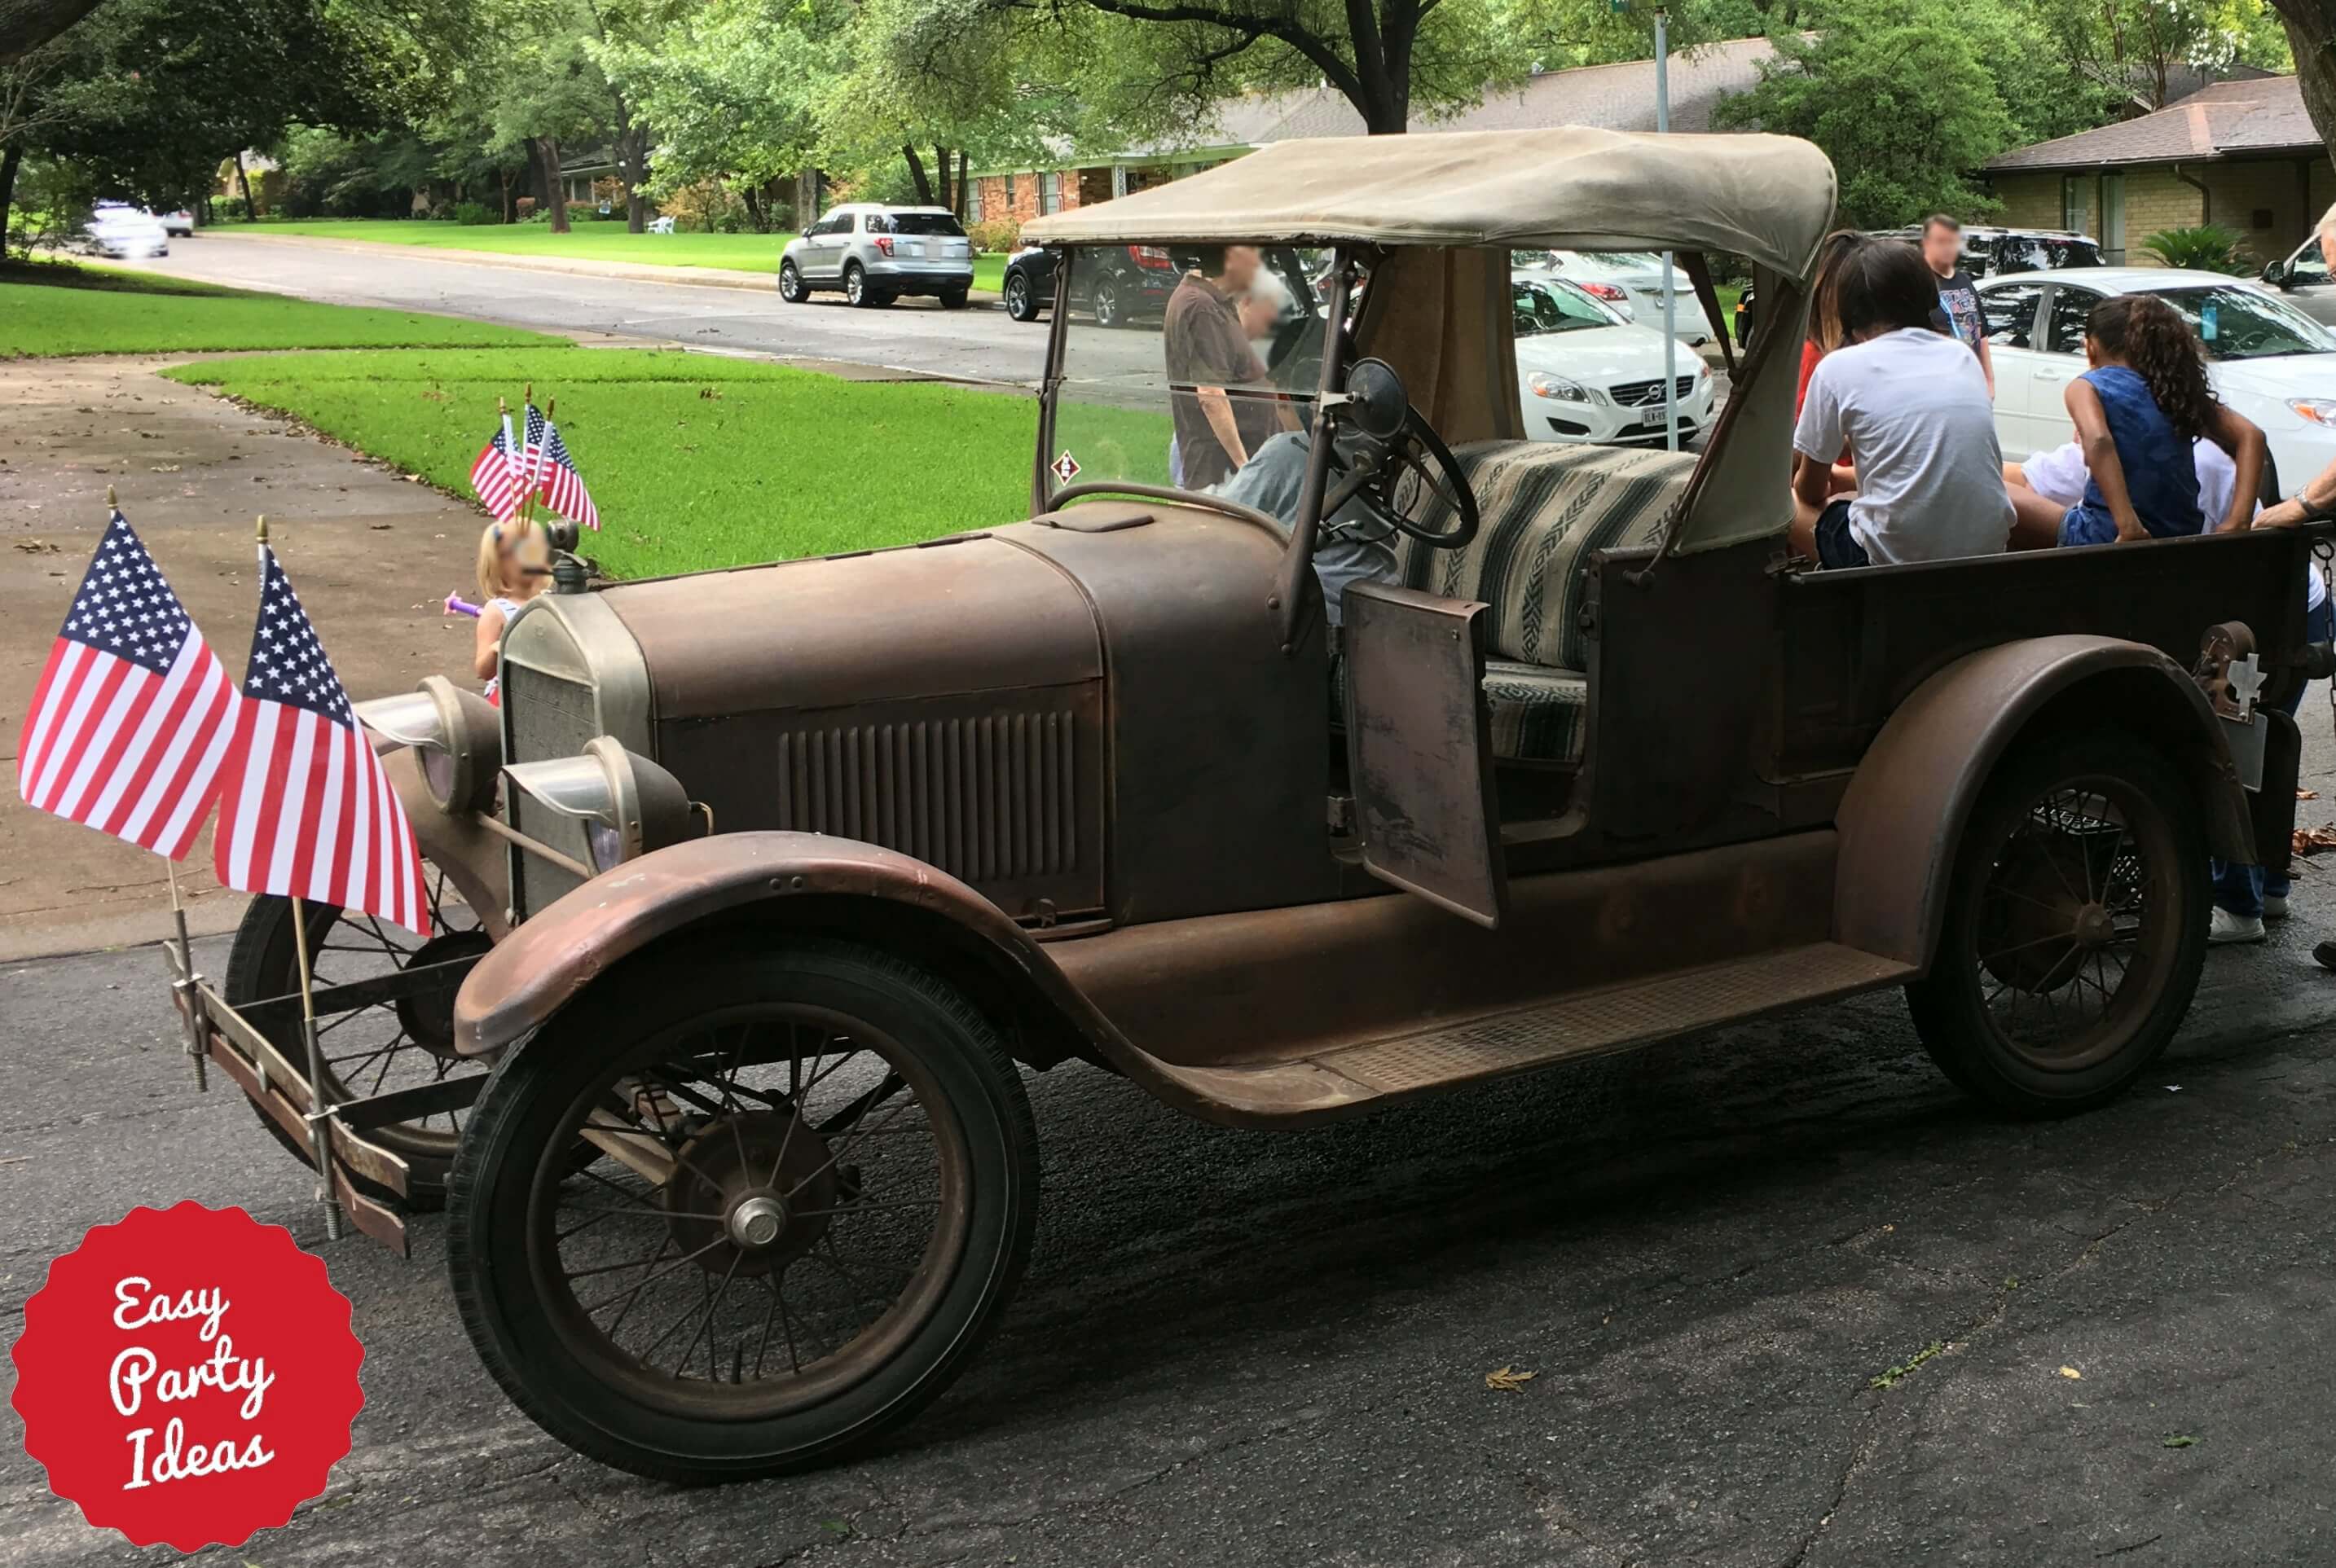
[458,606]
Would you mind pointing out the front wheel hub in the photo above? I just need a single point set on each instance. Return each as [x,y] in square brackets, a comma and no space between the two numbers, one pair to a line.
[752,1191]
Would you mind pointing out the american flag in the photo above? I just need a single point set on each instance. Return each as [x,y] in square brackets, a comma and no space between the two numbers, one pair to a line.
[496,477]
[133,712]
[307,810]
[562,487]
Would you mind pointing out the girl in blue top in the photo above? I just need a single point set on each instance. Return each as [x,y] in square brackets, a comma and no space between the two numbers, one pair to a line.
[2137,410]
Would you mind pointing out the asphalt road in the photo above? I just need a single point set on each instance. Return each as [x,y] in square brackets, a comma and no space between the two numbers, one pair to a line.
[1241,1349]
[979,343]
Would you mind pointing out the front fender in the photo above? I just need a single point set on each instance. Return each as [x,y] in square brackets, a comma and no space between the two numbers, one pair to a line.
[552,957]
[1901,822]
[473,859]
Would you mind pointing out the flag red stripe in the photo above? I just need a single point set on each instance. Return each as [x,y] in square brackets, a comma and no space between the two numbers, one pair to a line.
[133,732]
[80,675]
[35,731]
[352,814]
[89,709]
[230,858]
[185,800]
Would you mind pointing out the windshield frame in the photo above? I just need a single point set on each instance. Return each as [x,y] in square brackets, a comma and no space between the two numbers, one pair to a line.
[1047,496]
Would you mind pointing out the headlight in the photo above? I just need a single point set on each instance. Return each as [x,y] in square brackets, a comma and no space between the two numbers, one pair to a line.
[1545,385]
[621,805]
[2318,410]
[455,734]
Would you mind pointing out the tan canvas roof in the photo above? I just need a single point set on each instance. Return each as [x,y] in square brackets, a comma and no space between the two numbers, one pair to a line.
[1766,198]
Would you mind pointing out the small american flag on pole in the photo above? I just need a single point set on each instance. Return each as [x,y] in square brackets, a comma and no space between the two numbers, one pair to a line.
[133,712]
[307,810]
[549,462]
[495,476]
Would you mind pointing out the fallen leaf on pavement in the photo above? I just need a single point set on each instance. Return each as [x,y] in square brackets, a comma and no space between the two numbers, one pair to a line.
[39,548]
[2180,1440]
[2313,840]
[1508,1380]
[2071,1372]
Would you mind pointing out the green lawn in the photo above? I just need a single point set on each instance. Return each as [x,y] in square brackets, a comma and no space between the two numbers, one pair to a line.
[52,308]
[591,241]
[693,461]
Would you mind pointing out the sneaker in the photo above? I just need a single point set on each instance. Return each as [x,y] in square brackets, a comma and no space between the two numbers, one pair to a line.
[2230,927]
[2274,906]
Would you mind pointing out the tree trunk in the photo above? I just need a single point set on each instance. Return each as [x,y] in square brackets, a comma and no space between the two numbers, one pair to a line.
[547,171]
[964,186]
[26,24]
[505,176]
[632,163]
[806,198]
[243,178]
[8,163]
[754,200]
[917,174]
[2311,34]
[944,192]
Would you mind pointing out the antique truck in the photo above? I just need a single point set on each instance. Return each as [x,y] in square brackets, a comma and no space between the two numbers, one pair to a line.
[763,887]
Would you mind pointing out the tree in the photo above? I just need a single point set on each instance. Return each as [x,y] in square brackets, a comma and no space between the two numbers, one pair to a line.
[26,24]
[2311,34]
[1895,92]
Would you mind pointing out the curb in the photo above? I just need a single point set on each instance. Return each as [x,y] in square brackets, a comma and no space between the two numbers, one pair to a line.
[575,266]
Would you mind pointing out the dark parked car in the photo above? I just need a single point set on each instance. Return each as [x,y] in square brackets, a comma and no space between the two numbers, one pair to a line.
[1133,283]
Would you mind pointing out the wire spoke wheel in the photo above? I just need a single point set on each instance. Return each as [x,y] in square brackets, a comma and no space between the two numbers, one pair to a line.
[2075,927]
[401,1043]
[808,1186]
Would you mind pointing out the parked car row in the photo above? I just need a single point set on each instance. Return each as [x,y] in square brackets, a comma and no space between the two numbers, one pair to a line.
[874,255]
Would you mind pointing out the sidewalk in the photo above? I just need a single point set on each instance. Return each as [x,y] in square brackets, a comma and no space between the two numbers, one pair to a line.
[372,555]
[637,272]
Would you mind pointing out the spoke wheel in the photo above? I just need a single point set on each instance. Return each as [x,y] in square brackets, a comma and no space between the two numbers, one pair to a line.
[1105,302]
[388,1045]
[2075,927]
[812,1191]
[1018,304]
[791,284]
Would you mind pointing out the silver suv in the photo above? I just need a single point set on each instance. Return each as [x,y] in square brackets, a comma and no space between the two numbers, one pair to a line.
[876,253]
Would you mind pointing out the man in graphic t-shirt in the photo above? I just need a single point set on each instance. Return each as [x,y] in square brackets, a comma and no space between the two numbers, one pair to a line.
[1943,247]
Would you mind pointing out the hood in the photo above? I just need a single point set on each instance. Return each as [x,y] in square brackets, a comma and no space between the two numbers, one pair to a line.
[963,615]
[1601,356]
[2280,376]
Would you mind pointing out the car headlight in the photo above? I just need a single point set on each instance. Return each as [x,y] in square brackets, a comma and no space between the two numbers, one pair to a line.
[1545,385]
[455,735]
[2317,410]
[622,804]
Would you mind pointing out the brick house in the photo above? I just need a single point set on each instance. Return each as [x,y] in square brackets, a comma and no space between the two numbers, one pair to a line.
[2241,154]
[1618,97]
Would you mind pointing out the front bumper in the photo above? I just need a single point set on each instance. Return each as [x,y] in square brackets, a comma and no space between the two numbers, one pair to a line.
[1602,421]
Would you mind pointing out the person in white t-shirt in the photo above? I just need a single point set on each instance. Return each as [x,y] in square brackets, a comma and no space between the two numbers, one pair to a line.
[1912,404]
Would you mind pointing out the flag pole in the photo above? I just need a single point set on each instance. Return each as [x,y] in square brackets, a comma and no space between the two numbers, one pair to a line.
[320,1113]
[189,1004]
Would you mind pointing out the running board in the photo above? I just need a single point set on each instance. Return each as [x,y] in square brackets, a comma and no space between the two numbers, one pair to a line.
[1360,1077]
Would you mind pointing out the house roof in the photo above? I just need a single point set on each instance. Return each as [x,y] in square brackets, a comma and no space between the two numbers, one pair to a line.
[1618,97]
[2227,120]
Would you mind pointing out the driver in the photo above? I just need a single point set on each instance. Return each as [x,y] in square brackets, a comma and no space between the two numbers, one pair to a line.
[1351,545]
[1223,410]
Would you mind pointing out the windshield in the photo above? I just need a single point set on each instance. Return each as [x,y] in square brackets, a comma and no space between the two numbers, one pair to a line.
[1544,306]
[2036,253]
[2237,323]
[1183,369]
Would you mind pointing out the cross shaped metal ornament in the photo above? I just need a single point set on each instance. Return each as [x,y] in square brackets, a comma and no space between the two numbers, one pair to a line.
[2246,678]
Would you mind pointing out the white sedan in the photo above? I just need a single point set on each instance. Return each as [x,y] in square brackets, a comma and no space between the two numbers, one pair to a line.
[2268,360]
[118,228]
[1632,281]
[1584,373]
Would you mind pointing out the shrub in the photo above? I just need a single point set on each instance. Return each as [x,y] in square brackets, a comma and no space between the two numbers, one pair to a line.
[997,233]
[526,205]
[582,211]
[2208,247]
[472,214]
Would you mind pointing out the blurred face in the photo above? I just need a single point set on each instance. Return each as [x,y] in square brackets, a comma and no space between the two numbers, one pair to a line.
[1241,268]
[1256,316]
[1943,247]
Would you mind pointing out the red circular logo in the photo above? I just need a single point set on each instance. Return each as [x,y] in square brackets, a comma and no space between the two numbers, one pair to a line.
[188,1376]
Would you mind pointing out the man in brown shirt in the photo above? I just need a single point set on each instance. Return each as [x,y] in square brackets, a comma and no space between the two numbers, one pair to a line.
[1208,354]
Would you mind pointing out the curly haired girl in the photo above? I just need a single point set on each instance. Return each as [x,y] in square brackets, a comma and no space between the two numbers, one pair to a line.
[2137,410]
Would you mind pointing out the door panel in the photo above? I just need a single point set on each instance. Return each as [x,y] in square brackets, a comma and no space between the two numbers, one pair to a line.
[2010,310]
[1419,749]
[2062,361]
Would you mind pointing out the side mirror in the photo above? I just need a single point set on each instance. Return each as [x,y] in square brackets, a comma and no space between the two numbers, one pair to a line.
[1376,394]
[2276,273]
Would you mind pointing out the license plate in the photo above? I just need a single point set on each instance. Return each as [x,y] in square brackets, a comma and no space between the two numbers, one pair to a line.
[1652,414]
[914,247]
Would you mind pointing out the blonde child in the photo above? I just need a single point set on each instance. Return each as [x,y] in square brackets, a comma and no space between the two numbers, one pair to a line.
[512,557]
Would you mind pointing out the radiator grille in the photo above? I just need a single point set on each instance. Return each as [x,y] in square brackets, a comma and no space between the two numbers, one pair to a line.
[987,798]
[1632,394]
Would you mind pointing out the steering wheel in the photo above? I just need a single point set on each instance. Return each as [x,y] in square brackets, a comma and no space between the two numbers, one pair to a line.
[1392,441]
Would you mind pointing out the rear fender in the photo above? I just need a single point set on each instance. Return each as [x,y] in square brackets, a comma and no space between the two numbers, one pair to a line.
[780,882]
[1901,820]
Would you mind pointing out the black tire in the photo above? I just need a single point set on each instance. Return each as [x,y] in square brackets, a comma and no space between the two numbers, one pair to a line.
[263,963]
[1102,300]
[1021,300]
[790,283]
[2075,927]
[624,1053]
[954,299]
[855,285]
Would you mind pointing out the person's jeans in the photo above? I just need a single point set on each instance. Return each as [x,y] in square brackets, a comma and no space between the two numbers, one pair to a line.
[2241,889]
